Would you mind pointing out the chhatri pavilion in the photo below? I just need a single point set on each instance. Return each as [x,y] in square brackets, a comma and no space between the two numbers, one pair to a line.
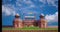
[29,20]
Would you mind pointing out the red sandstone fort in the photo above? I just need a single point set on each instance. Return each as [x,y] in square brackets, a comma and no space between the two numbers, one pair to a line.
[17,22]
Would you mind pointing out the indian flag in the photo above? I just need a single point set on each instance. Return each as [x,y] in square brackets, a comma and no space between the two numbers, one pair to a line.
[30,12]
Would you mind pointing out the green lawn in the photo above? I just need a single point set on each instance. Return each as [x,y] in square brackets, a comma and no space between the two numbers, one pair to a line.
[30,28]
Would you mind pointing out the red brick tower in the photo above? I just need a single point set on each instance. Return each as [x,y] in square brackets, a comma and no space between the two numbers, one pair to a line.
[17,22]
[42,21]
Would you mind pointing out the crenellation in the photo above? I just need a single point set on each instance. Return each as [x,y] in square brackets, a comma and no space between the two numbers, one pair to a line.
[17,22]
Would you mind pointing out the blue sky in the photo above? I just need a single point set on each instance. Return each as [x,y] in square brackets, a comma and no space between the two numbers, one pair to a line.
[48,7]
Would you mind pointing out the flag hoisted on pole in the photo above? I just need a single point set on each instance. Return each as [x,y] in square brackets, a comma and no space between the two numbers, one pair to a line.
[30,12]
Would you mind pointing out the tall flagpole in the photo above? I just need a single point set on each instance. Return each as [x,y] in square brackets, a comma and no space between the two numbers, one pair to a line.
[24,15]
[34,16]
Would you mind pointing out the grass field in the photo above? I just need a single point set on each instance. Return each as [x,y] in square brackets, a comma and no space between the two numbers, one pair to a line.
[30,28]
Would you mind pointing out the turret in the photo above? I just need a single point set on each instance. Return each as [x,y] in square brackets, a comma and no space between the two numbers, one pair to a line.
[17,22]
[42,21]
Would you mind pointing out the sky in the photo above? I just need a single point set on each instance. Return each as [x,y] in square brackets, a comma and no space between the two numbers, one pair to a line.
[48,7]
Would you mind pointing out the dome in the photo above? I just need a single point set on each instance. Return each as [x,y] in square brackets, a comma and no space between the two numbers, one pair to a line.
[17,14]
[42,14]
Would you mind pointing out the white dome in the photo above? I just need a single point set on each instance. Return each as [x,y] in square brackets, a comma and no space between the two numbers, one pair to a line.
[42,14]
[17,14]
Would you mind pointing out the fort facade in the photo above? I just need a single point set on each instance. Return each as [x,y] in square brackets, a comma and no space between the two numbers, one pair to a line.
[29,21]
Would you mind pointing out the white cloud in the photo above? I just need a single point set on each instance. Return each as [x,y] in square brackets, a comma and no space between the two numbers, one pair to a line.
[5,10]
[27,1]
[53,17]
[18,4]
[43,1]
[8,11]
[32,5]
[52,2]
[42,6]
